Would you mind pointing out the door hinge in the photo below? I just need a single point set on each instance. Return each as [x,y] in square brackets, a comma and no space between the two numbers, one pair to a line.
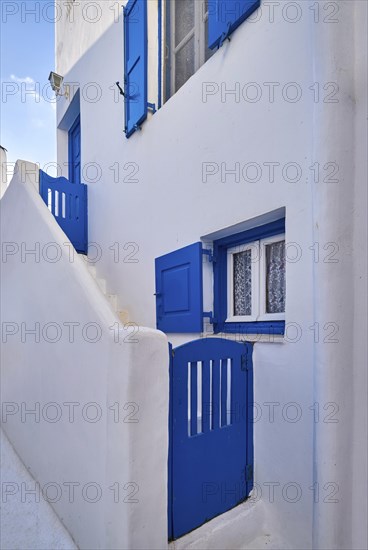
[209,314]
[151,107]
[244,362]
[209,253]
[248,472]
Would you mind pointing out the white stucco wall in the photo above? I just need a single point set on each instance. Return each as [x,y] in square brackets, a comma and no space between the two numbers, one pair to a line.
[359,466]
[86,19]
[97,447]
[166,205]
[90,21]
[338,369]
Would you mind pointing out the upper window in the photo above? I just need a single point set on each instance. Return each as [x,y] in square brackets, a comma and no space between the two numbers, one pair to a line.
[194,29]
[250,280]
[187,40]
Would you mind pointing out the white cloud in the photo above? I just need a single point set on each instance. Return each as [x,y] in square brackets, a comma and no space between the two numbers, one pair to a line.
[30,105]
[39,123]
[26,79]
[36,89]
[33,91]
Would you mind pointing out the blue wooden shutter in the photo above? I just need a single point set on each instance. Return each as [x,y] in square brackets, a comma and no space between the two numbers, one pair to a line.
[179,291]
[224,16]
[135,64]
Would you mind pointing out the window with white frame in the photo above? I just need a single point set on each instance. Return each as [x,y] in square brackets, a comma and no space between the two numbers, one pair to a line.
[249,278]
[187,41]
[256,284]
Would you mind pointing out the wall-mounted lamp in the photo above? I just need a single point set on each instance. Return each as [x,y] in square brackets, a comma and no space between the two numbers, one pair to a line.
[56,82]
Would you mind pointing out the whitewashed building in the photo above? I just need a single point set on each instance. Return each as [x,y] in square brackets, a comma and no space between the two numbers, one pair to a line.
[223,148]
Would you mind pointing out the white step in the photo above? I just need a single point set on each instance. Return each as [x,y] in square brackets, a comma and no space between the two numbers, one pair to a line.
[123,316]
[102,284]
[113,299]
[92,269]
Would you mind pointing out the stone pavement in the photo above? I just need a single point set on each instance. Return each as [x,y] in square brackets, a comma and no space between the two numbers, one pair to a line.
[26,525]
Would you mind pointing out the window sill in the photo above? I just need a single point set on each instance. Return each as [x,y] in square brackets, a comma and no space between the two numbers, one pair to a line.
[267,328]
[254,338]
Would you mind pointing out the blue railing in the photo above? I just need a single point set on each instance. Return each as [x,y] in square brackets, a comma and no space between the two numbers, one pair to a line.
[68,204]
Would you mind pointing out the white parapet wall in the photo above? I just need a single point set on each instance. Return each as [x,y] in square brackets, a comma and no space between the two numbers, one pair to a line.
[84,400]
[3,171]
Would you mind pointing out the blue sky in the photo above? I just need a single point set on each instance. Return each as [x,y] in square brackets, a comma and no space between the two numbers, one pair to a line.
[28,128]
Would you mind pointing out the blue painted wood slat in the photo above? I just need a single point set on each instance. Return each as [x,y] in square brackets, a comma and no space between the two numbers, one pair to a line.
[206,396]
[193,398]
[215,394]
[223,391]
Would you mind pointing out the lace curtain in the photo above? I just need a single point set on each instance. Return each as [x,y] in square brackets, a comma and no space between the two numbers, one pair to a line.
[243,283]
[275,278]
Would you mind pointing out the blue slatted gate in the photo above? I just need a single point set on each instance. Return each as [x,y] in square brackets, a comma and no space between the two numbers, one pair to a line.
[68,203]
[211,431]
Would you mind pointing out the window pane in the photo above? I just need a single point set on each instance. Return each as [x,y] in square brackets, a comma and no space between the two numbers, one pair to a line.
[184,19]
[275,277]
[184,67]
[242,283]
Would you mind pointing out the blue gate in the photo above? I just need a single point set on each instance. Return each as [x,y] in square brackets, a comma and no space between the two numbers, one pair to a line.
[68,203]
[211,431]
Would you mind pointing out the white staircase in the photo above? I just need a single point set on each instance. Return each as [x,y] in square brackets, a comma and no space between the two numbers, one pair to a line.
[113,299]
